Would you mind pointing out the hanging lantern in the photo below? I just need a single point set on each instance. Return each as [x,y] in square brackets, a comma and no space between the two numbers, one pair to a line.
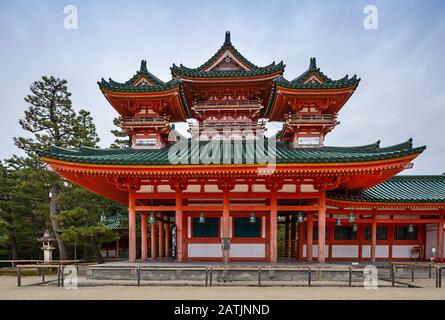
[355,227]
[351,218]
[300,218]
[410,228]
[151,219]
[252,218]
[338,222]
[202,218]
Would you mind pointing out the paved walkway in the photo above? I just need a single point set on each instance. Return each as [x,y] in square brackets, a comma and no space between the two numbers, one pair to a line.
[9,290]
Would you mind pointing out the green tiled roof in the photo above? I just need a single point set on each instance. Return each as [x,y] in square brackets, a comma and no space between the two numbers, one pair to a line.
[129,86]
[400,189]
[117,222]
[124,87]
[227,46]
[189,72]
[143,71]
[284,154]
[328,83]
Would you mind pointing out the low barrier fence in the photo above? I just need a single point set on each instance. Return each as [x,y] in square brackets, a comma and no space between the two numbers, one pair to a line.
[419,266]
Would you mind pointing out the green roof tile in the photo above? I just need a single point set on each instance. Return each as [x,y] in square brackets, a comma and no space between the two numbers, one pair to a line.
[328,83]
[227,45]
[189,72]
[400,189]
[284,154]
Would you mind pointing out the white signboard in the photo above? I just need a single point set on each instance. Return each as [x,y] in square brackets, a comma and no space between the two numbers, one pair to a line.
[146,142]
[309,140]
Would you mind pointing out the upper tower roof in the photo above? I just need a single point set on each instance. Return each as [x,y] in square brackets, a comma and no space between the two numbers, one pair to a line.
[227,62]
[226,49]
[313,78]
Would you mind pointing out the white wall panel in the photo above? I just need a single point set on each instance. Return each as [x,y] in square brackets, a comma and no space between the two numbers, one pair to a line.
[381,251]
[345,251]
[402,251]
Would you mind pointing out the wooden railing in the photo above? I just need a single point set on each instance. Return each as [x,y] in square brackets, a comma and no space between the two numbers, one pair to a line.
[311,118]
[144,120]
[228,103]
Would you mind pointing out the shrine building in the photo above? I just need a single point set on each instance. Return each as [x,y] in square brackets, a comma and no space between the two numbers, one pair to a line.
[226,180]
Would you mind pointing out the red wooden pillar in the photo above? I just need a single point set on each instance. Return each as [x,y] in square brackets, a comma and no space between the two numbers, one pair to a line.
[117,248]
[153,240]
[132,226]
[226,218]
[373,240]
[161,236]
[309,236]
[322,226]
[273,226]
[178,221]
[440,240]
[167,236]
[144,236]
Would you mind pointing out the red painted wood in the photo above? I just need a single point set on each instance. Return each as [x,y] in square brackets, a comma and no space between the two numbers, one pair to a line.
[309,236]
[167,237]
[144,237]
[154,248]
[131,227]
[440,240]
[273,227]
[161,237]
[322,227]
[373,241]
[179,227]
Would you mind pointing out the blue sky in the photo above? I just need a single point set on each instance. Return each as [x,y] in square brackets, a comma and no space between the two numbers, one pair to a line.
[401,64]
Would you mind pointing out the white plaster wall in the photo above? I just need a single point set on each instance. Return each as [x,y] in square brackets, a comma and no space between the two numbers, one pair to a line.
[237,250]
[289,188]
[209,250]
[247,250]
[402,251]
[315,250]
[431,240]
[344,251]
[381,251]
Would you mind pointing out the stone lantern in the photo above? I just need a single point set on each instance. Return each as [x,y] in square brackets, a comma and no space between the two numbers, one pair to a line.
[46,246]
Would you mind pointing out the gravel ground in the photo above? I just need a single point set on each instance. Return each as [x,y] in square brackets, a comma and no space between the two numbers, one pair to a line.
[9,290]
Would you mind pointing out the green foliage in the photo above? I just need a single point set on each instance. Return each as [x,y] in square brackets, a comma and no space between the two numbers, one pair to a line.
[25,182]
[122,139]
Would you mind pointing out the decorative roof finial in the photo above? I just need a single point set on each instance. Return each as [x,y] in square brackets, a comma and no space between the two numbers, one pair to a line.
[227,40]
[144,66]
[313,63]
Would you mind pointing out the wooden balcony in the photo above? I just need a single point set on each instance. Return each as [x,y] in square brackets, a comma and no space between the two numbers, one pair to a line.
[227,105]
[322,118]
[145,121]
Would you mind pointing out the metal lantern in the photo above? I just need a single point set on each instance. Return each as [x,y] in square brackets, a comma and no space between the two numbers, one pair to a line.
[410,228]
[252,218]
[355,227]
[202,218]
[338,222]
[300,218]
[351,218]
[151,219]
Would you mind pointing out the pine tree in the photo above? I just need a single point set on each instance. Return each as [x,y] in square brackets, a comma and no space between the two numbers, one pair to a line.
[122,139]
[51,120]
